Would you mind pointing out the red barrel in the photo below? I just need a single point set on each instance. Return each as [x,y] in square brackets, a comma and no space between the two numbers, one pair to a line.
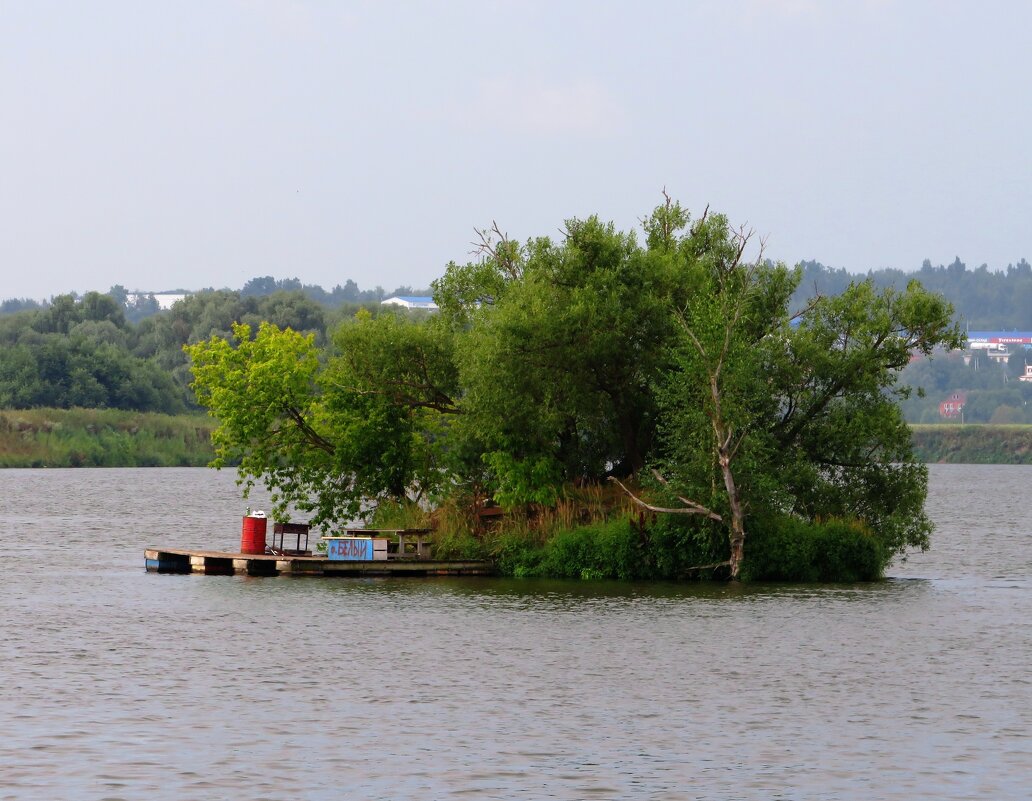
[252,537]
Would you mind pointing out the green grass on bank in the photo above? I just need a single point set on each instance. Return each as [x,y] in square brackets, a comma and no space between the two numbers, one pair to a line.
[113,438]
[103,438]
[973,444]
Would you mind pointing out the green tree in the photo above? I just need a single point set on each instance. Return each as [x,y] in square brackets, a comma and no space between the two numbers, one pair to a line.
[558,345]
[101,308]
[330,439]
[730,321]
[765,412]
[270,418]
[843,447]
[19,377]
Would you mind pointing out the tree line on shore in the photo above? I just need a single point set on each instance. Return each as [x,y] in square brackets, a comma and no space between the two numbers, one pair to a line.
[120,350]
[138,305]
[84,351]
[983,299]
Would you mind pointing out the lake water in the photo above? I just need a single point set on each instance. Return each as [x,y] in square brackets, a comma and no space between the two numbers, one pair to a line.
[119,684]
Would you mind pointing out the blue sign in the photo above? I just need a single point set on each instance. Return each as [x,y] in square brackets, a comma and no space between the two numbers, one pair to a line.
[350,549]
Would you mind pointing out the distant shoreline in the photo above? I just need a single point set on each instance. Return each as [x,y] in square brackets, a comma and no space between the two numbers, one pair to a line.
[103,438]
[114,438]
[973,443]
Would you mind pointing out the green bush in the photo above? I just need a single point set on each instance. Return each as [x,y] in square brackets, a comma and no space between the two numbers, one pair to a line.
[600,550]
[516,555]
[449,545]
[679,544]
[398,514]
[781,548]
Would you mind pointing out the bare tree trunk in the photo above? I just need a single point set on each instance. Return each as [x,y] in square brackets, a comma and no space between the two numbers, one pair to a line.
[726,440]
[737,554]
[737,545]
[737,516]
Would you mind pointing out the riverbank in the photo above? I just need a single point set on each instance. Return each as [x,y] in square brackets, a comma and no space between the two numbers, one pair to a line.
[973,444]
[103,438]
[113,438]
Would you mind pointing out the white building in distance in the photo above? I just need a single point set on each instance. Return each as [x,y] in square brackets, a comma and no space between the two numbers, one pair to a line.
[410,302]
[164,299]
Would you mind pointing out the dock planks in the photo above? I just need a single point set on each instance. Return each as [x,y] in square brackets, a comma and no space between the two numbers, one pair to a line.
[221,563]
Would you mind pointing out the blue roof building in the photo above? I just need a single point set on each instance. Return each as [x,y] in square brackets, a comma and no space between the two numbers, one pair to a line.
[410,302]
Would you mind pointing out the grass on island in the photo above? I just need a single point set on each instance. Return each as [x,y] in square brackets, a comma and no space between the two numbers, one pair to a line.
[595,532]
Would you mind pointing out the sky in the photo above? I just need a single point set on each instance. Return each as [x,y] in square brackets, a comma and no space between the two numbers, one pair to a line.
[189,144]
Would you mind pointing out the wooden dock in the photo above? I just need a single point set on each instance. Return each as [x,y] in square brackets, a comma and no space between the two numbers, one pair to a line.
[221,563]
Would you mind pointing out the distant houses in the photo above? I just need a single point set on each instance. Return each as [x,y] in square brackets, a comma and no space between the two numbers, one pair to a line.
[411,302]
[953,406]
[999,337]
[165,300]
[999,346]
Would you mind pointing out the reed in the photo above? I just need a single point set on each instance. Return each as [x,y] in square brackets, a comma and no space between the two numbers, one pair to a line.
[973,443]
[103,438]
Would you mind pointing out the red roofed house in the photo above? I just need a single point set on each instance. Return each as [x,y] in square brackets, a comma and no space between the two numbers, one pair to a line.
[953,406]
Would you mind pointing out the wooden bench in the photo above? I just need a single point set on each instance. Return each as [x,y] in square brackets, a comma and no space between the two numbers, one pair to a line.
[282,529]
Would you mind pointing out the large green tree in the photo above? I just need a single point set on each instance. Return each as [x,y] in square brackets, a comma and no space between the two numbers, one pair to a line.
[768,412]
[331,437]
[558,345]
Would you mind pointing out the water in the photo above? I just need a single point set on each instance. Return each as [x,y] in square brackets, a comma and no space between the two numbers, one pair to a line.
[119,684]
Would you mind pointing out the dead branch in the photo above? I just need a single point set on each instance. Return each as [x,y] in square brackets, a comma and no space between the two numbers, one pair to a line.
[662,480]
[743,236]
[485,246]
[809,305]
[691,507]
[702,219]
[714,566]
[495,245]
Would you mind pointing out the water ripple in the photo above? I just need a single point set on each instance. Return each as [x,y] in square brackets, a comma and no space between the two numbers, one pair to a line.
[121,684]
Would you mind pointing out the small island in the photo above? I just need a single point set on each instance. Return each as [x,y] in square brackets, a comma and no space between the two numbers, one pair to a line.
[608,405]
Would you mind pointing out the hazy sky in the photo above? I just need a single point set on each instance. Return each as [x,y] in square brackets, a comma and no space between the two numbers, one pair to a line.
[162,145]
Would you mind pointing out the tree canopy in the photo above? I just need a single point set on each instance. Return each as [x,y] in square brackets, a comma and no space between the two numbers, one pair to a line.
[77,352]
[984,298]
[595,356]
[86,351]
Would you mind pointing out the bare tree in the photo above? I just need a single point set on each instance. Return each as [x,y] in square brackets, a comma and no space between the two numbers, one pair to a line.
[733,283]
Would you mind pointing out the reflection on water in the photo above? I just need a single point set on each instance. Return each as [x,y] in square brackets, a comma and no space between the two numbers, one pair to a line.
[122,684]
